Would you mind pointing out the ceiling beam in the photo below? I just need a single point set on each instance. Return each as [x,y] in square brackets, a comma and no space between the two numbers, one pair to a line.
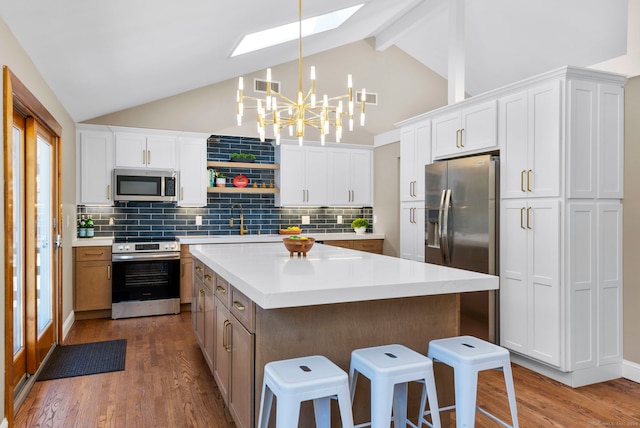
[413,17]
[456,65]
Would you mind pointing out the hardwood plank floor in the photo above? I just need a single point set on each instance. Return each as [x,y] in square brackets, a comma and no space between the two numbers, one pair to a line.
[167,383]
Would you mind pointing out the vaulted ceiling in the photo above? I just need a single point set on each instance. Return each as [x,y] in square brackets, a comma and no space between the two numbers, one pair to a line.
[101,57]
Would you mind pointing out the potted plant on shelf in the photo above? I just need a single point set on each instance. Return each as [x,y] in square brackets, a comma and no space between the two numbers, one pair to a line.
[243,157]
[221,180]
[360,225]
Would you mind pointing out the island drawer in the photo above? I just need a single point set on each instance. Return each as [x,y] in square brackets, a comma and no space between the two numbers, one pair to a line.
[198,269]
[370,245]
[209,278]
[244,309]
[86,254]
[222,290]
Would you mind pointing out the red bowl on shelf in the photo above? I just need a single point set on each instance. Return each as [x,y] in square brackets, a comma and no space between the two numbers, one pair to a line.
[299,246]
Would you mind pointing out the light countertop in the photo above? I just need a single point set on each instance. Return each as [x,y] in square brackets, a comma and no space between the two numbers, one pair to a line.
[272,279]
[92,242]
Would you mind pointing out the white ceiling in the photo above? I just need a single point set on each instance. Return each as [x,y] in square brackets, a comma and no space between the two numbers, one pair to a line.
[101,57]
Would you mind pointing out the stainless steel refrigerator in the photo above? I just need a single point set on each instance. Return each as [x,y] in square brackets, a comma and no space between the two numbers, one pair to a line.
[461,231]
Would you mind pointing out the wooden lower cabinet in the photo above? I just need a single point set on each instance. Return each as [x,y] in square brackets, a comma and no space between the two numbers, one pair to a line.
[92,278]
[186,272]
[368,245]
[202,312]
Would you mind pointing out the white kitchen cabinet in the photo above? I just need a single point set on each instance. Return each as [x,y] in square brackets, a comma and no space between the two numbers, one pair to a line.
[350,177]
[192,164]
[530,142]
[94,166]
[466,130]
[412,237]
[595,146]
[136,150]
[530,286]
[415,153]
[302,177]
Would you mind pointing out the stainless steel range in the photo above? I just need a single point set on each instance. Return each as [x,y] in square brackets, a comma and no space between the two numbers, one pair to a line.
[146,277]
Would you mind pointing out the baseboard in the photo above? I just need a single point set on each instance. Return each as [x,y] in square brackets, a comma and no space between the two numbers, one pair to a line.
[631,371]
[66,326]
[4,424]
[575,378]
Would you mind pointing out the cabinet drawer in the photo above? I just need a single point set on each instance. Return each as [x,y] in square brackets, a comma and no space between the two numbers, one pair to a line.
[198,269]
[370,245]
[222,290]
[85,254]
[208,278]
[343,244]
[243,308]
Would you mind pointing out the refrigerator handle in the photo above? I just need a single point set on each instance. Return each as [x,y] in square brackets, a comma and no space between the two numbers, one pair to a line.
[445,228]
[440,213]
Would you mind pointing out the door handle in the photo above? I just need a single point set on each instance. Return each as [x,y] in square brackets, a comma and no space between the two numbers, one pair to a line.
[225,337]
[529,180]
[458,138]
[462,137]
[440,212]
[529,215]
[109,272]
[148,157]
[522,218]
[144,157]
[181,193]
[108,191]
[445,227]
[522,174]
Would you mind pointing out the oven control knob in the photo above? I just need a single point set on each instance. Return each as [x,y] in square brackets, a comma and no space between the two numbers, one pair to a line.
[120,248]
[126,248]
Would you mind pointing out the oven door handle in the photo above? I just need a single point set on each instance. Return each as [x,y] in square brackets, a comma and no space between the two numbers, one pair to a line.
[144,257]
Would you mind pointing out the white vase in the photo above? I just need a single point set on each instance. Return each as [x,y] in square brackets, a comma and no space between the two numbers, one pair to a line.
[221,182]
[360,230]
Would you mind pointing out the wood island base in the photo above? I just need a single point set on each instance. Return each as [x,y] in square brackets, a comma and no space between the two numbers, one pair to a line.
[337,329]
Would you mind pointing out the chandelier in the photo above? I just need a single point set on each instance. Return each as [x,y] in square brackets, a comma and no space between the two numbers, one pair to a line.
[278,111]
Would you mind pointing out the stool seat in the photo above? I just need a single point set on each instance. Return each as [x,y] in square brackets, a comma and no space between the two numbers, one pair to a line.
[389,368]
[300,379]
[468,355]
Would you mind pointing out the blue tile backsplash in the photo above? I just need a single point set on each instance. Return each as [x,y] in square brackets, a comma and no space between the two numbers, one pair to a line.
[158,219]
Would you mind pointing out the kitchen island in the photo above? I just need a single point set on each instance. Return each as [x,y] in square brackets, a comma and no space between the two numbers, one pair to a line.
[269,306]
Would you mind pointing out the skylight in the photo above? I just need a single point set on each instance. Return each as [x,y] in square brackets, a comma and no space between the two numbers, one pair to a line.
[284,33]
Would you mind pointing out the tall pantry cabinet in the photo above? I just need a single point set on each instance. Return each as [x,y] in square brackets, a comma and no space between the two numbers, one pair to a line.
[561,147]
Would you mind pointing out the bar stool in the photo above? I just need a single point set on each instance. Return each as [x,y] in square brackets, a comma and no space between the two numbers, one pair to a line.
[468,355]
[389,369]
[300,379]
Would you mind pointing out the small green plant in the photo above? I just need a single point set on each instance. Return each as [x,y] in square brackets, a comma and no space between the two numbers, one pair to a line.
[220,174]
[359,222]
[243,156]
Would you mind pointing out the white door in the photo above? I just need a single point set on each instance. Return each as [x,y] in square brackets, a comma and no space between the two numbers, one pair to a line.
[361,177]
[478,130]
[161,151]
[316,176]
[513,135]
[192,155]
[130,150]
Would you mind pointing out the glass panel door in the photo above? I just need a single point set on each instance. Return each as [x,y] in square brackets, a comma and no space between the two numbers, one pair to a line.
[44,234]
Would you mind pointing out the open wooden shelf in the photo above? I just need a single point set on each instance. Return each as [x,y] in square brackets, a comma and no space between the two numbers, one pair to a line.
[244,165]
[254,190]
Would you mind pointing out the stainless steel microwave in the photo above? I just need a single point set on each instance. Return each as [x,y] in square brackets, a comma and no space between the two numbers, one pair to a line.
[154,185]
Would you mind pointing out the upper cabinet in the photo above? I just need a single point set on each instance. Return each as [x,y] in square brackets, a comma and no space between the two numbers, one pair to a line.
[463,131]
[192,164]
[350,177]
[302,177]
[313,175]
[530,141]
[145,150]
[415,153]
[94,166]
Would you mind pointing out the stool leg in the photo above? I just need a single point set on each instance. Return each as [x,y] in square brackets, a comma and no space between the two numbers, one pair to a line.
[400,405]
[430,390]
[466,383]
[353,381]
[265,407]
[287,412]
[322,411]
[344,403]
[511,393]
[381,401]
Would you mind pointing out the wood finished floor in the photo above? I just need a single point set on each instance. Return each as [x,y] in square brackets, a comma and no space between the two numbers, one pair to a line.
[167,383]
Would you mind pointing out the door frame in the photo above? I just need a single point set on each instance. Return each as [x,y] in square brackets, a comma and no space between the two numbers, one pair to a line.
[16,95]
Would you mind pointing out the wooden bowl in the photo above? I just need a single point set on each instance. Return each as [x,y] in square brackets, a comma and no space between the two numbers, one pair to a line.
[299,246]
[290,232]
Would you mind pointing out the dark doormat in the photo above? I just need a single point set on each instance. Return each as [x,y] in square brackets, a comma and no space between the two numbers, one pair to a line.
[85,359]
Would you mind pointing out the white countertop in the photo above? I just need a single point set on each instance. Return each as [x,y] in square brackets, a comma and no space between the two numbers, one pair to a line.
[272,279]
[92,242]
[233,239]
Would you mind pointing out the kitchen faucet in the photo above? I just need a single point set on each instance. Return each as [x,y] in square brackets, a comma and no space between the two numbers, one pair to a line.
[241,218]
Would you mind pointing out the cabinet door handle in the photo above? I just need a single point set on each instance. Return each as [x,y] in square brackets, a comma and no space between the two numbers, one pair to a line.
[200,307]
[529,180]
[225,337]
[529,215]
[87,253]
[522,174]
[108,191]
[148,157]
[458,138]
[199,268]
[144,157]
[462,137]
[109,272]
[220,289]
[522,218]
[239,306]
[208,277]
[181,193]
